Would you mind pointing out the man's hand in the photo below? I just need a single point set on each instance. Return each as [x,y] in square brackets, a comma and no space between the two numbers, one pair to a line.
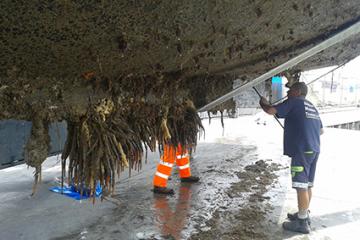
[265,105]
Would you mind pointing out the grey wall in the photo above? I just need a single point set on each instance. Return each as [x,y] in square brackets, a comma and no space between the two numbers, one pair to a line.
[13,137]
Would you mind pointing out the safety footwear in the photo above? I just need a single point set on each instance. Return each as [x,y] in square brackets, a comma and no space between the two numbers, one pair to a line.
[190,179]
[297,225]
[294,216]
[163,190]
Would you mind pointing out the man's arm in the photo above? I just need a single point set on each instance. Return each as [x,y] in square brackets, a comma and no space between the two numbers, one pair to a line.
[265,105]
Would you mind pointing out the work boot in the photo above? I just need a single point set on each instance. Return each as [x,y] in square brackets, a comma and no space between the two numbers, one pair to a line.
[163,190]
[294,216]
[190,179]
[297,225]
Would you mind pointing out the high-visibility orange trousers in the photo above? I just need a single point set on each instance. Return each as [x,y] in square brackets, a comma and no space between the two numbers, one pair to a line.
[167,162]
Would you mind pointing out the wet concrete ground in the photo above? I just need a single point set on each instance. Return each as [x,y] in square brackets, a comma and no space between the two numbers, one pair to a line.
[244,193]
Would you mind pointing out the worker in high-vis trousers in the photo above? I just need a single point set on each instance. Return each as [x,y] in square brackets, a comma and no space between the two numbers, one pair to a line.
[163,172]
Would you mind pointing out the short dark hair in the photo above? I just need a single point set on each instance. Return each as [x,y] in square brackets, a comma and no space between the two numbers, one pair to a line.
[300,86]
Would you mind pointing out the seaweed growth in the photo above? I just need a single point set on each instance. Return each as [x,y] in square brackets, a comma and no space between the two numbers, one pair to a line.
[184,124]
[100,146]
[103,142]
[37,147]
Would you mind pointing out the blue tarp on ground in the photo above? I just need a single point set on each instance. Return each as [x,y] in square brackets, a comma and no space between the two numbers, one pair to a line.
[73,193]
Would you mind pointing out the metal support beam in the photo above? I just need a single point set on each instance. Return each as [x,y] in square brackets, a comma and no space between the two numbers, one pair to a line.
[350,31]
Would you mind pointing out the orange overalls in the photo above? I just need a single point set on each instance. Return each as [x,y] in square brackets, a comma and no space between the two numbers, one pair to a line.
[167,162]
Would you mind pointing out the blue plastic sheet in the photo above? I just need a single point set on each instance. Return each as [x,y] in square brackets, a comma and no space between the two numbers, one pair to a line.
[73,193]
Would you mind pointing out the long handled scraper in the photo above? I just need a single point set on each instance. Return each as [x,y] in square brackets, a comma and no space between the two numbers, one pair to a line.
[274,115]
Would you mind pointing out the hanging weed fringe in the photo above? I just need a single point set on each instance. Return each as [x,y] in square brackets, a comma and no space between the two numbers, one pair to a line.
[103,143]
[37,148]
[100,149]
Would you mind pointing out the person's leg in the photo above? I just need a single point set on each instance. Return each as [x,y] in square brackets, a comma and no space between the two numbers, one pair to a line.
[164,171]
[183,162]
[299,222]
[309,194]
[303,173]
[303,203]
[311,158]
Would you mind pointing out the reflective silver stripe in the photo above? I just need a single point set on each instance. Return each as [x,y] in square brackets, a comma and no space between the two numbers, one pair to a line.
[308,104]
[310,109]
[182,156]
[184,167]
[311,115]
[166,163]
[161,175]
[300,185]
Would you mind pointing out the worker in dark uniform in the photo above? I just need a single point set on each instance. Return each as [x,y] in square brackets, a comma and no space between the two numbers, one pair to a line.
[302,131]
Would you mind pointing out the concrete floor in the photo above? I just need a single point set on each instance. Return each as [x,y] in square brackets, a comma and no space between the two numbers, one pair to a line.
[135,213]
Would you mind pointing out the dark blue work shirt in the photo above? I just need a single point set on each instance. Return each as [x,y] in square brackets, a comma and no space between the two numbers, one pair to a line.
[302,126]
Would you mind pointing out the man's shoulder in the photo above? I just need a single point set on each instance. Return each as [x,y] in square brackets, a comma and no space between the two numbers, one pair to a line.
[304,102]
[309,104]
[297,102]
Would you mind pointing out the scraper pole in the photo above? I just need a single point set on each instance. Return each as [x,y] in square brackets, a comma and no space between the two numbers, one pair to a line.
[274,115]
